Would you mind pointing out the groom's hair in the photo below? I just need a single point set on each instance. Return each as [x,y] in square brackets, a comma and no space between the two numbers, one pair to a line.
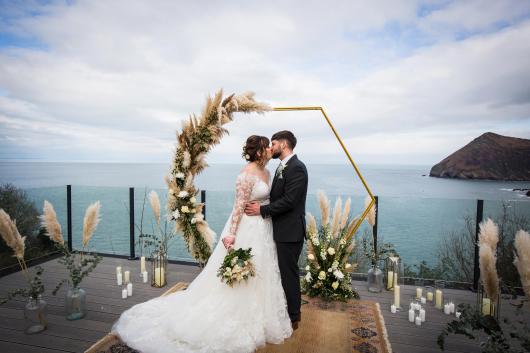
[286,135]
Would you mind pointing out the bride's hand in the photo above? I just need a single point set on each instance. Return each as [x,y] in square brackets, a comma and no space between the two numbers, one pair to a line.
[229,241]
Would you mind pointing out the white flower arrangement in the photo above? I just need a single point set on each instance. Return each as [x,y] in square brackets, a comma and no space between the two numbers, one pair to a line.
[183,194]
[329,249]
[180,175]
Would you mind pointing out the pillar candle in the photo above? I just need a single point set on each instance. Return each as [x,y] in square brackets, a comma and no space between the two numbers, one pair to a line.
[419,292]
[142,264]
[144,275]
[452,307]
[393,309]
[395,279]
[390,280]
[129,289]
[159,276]
[447,309]
[422,315]
[119,279]
[124,294]
[439,304]
[486,306]
[418,321]
[411,315]
[118,269]
[423,300]
[127,277]
[396,296]
[430,296]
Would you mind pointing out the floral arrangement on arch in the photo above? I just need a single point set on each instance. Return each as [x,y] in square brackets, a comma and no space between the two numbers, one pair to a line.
[329,248]
[199,134]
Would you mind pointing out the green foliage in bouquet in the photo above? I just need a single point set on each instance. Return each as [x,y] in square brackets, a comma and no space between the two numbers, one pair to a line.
[329,249]
[78,264]
[35,288]
[237,266]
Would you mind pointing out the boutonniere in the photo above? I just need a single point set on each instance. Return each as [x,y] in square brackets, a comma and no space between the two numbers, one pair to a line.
[279,171]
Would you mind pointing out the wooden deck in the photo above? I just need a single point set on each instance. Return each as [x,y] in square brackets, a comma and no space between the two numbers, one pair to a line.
[105,305]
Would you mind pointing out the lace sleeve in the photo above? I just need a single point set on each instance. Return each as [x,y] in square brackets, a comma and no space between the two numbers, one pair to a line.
[244,185]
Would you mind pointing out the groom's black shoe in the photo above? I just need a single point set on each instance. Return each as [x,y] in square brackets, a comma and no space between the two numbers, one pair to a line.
[294,325]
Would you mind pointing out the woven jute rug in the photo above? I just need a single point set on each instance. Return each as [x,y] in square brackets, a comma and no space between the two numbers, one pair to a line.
[356,326]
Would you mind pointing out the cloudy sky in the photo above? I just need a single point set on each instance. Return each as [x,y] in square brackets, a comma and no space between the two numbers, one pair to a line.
[404,82]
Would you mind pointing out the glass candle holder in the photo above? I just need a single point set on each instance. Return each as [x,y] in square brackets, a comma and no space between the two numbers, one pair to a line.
[488,306]
[159,266]
[392,272]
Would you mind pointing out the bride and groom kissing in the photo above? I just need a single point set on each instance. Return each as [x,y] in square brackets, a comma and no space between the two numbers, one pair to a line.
[210,316]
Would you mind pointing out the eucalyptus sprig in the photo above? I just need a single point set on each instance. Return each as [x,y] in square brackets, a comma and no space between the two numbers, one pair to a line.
[35,288]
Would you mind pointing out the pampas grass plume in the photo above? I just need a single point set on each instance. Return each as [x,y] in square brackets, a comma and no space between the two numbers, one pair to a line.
[522,259]
[50,223]
[488,271]
[370,217]
[90,222]
[335,223]
[10,234]
[155,205]
[311,225]
[345,213]
[489,234]
[324,207]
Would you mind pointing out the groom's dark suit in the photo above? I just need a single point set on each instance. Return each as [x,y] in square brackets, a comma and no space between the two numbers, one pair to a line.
[287,209]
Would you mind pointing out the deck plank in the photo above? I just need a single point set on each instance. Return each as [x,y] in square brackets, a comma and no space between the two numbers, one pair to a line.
[104,305]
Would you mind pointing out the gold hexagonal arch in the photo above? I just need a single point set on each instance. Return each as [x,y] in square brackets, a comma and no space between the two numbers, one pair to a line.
[357,171]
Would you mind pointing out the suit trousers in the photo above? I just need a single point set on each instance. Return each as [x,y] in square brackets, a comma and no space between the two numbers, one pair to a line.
[288,254]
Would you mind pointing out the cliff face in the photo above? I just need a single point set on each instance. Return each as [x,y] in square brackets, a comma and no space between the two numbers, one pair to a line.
[489,156]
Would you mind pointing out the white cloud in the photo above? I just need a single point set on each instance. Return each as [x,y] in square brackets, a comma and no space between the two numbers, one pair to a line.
[116,77]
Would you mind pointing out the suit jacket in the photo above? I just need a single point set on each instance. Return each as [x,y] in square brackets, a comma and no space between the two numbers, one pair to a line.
[287,203]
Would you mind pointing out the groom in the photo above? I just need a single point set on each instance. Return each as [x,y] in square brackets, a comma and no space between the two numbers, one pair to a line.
[287,209]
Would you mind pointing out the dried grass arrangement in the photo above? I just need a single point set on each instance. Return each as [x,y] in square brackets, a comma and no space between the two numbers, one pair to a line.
[79,264]
[10,234]
[199,134]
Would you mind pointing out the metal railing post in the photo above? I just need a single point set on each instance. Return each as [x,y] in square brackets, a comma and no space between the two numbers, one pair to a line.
[374,229]
[69,215]
[203,201]
[132,255]
[476,269]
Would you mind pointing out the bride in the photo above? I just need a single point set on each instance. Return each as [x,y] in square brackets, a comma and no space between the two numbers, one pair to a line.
[210,316]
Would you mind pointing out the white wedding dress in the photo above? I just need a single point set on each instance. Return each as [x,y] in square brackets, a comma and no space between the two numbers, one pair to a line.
[210,316]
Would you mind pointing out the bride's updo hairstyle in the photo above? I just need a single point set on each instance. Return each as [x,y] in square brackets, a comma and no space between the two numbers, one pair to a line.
[254,149]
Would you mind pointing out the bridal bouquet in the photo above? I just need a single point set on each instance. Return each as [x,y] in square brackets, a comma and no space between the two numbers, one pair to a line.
[237,266]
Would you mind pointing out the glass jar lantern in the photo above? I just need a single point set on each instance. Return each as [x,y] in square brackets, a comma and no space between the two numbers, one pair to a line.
[159,265]
[375,279]
[35,315]
[488,306]
[75,303]
[392,272]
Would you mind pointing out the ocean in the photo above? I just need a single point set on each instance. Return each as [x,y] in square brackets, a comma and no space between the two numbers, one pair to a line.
[415,211]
